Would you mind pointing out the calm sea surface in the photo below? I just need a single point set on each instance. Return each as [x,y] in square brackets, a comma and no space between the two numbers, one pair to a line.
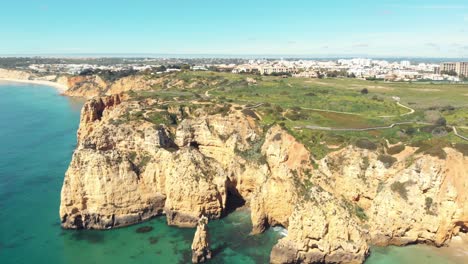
[37,138]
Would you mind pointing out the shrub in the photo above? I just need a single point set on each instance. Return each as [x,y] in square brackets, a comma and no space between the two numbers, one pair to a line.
[296,115]
[144,161]
[360,213]
[377,98]
[410,130]
[296,108]
[278,109]
[365,163]
[400,188]
[355,209]
[158,117]
[428,203]
[364,143]
[395,149]
[277,137]
[132,155]
[387,160]
[463,148]
[441,122]
[254,153]
[434,151]
[439,131]
[250,112]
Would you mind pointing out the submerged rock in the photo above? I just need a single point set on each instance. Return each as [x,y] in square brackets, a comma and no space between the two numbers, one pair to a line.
[201,242]
[144,229]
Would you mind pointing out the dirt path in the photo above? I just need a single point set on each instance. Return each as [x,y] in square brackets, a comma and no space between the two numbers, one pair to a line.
[458,135]
[411,111]
[366,128]
[330,111]
[380,128]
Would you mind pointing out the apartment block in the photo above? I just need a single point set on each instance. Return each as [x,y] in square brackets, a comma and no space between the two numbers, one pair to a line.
[461,68]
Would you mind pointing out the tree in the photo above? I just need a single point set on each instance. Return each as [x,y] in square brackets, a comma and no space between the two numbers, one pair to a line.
[441,122]
[185,67]
[451,73]
[364,91]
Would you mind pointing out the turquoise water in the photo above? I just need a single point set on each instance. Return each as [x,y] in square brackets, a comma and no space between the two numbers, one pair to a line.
[37,138]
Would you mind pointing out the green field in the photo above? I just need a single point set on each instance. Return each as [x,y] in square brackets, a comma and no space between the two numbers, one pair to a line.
[296,103]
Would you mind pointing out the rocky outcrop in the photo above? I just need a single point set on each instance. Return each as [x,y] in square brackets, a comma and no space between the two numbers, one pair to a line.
[85,86]
[104,187]
[418,198]
[132,170]
[133,83]
[425,202]
[321,231]
[201,242]
[130,166]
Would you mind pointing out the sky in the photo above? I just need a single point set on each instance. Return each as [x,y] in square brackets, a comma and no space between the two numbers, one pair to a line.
[382,28]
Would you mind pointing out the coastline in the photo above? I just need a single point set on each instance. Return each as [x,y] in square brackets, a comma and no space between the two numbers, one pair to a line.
[60,87]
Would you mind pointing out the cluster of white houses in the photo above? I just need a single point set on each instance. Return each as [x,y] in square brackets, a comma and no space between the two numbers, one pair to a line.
[359,68]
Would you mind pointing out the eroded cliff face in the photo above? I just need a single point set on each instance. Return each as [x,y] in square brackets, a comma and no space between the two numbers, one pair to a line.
[90,86]
[85,86]
[136,168]
[13,74]
[418,198]
[127,167]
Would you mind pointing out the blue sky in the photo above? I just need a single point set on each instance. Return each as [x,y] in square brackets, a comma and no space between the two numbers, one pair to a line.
[318,28]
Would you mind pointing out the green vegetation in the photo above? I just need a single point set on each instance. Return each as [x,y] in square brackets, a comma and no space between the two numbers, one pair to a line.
[463,148]
[395,149]
[355,209]
[300,105]
[387,160]
[428,203]
[433,147]
[365,144]
[304,188]
[254,153]
[400,188]
[109,76]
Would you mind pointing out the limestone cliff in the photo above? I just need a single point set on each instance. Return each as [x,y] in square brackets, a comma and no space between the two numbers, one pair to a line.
[14,74]
[417,198]
[136,159]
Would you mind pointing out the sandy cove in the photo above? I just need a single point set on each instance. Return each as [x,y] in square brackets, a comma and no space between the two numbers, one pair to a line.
[60,87]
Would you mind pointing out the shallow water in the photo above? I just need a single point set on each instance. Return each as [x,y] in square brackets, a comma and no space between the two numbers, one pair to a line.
[37,138]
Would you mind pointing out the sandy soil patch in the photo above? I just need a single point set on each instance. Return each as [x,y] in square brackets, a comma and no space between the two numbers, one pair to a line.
[425,90]
[317,82]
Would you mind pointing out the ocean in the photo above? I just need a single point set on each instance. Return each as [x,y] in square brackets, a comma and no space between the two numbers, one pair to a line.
[37,138]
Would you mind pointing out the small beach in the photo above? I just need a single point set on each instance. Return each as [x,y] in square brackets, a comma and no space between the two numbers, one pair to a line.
[60,87]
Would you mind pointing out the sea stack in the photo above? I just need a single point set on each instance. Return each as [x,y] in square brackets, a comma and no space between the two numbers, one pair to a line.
[201,242]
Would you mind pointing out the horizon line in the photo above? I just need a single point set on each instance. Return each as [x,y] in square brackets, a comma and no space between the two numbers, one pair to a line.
[216,56]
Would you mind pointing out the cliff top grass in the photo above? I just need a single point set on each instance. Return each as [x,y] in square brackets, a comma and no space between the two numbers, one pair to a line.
[298,103]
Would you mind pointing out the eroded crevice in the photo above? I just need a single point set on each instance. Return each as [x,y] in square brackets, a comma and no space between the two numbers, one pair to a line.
[195,145]
[234,199]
